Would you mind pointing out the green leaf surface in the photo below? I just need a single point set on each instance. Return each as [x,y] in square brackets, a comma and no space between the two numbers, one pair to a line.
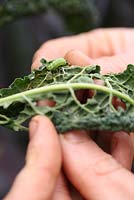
[63,84]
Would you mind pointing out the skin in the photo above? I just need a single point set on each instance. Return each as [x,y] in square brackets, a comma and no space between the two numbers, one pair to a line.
[97,166]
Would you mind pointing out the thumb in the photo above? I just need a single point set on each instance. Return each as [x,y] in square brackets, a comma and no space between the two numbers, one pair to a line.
[43,162]
[94,173]
[115,64]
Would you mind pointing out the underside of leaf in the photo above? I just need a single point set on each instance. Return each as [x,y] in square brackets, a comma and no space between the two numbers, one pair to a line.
[79,101]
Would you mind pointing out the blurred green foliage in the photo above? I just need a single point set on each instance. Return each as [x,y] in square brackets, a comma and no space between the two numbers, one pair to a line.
[79,15]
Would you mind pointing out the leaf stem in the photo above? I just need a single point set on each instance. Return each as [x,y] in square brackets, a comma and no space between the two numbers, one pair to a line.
[110,96]
[61,87]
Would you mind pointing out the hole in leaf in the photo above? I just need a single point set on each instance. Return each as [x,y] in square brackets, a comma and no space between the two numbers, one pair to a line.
[84,95]
[46,102]
[118,103]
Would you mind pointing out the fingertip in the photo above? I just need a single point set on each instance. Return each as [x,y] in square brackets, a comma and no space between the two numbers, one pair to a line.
[76,57]
[35,123]
[36,59]
[36,64]
[41,118]
[75,137]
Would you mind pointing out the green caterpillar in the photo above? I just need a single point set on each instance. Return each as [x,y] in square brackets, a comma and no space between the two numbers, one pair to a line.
[56,64]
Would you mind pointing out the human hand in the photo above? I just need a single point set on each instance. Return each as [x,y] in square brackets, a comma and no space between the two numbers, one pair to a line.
[38,178]
[113,50]
[110,48]
[94,173]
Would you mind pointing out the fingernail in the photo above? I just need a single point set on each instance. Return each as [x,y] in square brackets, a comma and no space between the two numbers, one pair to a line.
[76,136]
[33,127]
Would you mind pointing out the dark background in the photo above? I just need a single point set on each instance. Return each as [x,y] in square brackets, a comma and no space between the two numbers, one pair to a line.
[18,42]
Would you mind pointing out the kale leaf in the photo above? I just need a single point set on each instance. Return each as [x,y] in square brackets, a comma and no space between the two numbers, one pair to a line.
[58,82]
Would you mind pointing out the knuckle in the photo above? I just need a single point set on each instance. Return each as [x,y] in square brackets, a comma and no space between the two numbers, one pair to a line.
[71,53]
[106,166]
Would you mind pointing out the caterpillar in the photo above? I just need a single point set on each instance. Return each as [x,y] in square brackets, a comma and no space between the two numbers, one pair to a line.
[56,64]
